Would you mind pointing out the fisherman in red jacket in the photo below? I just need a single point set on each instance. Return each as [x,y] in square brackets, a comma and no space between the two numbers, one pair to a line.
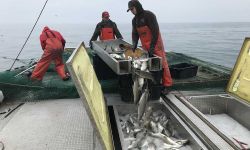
[52,44]
[145,27]
[106,30]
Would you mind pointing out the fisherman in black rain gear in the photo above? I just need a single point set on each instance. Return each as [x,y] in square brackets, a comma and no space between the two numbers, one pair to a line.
[146,28]
[106,30]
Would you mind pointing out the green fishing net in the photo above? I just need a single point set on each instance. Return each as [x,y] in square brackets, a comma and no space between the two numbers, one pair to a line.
[51,87]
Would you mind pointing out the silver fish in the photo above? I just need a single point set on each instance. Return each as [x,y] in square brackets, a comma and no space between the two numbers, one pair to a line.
[166,139]
[136,90]
[142,104]
[166,132]
[153,127]
[127,129]
[148,145]
[145,74]
[144,66]
[182,142]
[137,142]
[148,113]
[160,127]
[138,130]
[136,64]
[151,146]
[141,83]
[156,119]
[165,146]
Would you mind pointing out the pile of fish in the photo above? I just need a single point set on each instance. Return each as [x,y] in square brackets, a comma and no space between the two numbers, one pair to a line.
[118,56]
[125,52]
[141,76]
[150,133]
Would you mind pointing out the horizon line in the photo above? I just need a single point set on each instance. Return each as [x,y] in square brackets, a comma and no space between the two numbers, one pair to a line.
[84,23]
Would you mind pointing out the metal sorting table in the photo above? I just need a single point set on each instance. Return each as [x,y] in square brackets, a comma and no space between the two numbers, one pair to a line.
[104,48]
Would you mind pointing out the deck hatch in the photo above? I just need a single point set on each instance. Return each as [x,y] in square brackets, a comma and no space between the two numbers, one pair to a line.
[239,83]
[90,91]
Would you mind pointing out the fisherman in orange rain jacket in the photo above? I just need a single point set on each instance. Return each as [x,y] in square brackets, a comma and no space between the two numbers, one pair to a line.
[52,44]
[145,27]
[106,30]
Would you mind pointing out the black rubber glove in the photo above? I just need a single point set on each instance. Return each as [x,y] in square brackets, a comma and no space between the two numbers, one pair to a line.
[90,45]
[151,52]
[134,48]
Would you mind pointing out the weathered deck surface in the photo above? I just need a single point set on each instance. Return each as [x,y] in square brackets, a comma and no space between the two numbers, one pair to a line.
[52,124]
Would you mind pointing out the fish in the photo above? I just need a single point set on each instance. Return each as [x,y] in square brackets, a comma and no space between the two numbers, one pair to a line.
[127,129]
[141,83]
[148,145]
[160,145]
[129,139]
[168,140]
[148,113]
[182,142]
[142,103]
[136,90]
[116,56]
[153,127]
[165,146]
[151,146]
[160,127]
[166,132]
[148,133]
[137,142]
[144,66]
[136,64]
[145,75]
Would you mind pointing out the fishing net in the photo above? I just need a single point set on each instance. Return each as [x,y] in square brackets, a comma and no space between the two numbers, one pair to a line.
[51,87]
[208,74]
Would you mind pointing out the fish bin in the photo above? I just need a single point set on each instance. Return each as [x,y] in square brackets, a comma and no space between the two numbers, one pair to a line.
[228,114]
[183,70]
[159,128]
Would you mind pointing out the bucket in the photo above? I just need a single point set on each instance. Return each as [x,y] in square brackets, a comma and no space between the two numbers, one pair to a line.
[125,81]
[126,94]
[155,92]
[183,70]
[102,70]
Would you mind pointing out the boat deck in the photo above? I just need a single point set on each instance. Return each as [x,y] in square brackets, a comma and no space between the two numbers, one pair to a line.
[51,124]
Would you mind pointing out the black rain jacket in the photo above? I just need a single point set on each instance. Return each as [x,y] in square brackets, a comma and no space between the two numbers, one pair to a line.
[105,24]
[144,18]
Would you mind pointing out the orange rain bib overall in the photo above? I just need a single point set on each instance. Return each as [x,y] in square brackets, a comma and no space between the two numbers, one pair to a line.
[145,37]
[107,34]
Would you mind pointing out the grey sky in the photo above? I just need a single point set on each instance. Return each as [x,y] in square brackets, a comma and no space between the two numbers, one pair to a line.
[89,11]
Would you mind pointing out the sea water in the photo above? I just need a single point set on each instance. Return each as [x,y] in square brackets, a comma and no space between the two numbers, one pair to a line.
[219,43]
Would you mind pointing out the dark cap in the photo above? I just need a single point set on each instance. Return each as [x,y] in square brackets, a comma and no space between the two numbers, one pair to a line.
[105,14]
[131,4]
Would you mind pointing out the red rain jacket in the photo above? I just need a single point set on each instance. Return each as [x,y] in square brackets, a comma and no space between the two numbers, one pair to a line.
[43,37]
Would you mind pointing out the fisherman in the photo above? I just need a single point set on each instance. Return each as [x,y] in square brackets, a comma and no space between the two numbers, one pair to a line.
[106,30]
[145,27]
[52,43]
